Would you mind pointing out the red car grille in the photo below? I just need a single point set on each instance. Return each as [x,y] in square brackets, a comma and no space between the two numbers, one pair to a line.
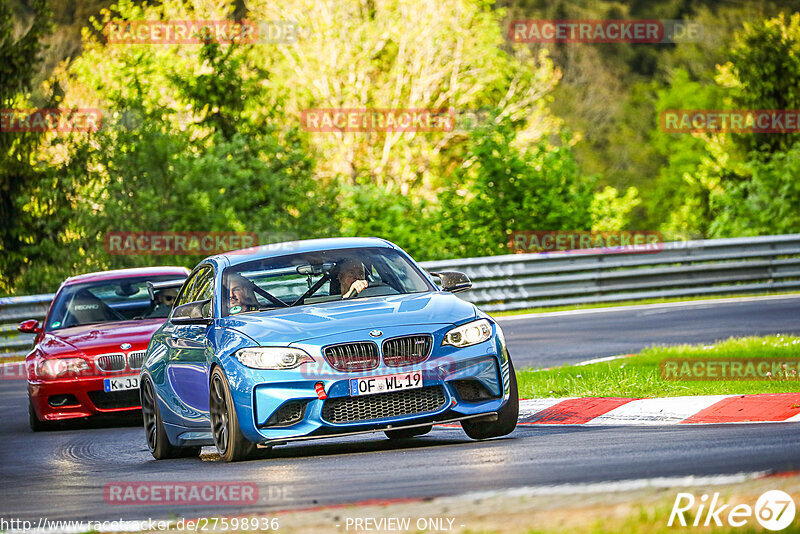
[406,350]
[111,362]
[136,359]
[352,356]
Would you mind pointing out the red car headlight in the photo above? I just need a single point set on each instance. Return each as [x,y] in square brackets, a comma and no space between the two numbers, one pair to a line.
[62,367]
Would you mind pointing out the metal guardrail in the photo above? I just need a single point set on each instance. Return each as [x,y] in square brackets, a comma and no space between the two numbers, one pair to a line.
[518,281]
[14,310]
[682,268]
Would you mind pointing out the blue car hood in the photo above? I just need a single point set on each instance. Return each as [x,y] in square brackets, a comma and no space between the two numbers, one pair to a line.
[287,325]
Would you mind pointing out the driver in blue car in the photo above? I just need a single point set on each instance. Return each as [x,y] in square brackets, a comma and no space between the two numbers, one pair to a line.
[242,297]
[352,279]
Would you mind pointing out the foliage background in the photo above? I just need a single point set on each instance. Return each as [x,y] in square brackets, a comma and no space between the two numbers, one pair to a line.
[547,137]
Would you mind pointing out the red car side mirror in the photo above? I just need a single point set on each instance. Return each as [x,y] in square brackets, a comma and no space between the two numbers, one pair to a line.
[31,326]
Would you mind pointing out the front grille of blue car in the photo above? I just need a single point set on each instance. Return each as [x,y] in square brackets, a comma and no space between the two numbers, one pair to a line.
[384,405]
[407,350]
[361,356]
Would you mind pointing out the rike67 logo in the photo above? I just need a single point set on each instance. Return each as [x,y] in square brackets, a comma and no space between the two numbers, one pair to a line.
[774,510]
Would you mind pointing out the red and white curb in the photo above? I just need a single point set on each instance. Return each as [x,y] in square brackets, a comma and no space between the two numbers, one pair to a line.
[759,408]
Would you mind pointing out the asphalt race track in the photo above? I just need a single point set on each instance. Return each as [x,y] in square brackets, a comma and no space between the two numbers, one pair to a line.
[62,474]
[549,340]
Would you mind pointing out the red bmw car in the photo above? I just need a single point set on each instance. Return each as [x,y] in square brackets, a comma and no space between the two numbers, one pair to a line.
[87,354]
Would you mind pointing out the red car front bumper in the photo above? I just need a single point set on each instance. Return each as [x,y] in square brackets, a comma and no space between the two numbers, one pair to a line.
[75,397]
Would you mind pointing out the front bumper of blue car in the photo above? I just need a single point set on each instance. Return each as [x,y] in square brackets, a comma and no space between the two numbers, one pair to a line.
[316,401]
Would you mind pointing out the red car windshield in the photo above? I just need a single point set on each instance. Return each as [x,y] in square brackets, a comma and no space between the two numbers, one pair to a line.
[105,301]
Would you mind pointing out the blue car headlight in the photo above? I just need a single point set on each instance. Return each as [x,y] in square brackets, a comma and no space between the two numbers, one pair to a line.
[274,358]
[468,334]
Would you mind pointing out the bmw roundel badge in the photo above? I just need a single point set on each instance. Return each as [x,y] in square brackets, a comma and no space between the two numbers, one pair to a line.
[125,346]
[376,333]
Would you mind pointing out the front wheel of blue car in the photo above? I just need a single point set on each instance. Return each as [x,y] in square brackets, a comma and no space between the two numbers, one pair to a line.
[157,440]
[232,446]
[507,416]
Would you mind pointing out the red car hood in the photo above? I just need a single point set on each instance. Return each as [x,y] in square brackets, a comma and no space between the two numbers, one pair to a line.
[100,338]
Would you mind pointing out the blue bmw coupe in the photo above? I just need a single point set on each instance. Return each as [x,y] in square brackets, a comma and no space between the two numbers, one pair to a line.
[321,338]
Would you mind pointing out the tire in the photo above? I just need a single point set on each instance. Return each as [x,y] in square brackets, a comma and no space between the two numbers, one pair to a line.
[232,446]
[404,433]
[36,424]
[156,436]
[506,417]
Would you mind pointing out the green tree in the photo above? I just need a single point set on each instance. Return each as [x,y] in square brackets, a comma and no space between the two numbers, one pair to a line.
[763,73]
[24,231]
[679,203]
[501,188]
[757,173]
[369,210]
[208,156]
[402,54]
[768,202]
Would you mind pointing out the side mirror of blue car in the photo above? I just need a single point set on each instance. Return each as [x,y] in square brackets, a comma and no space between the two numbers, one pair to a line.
[192,313]
[453,281]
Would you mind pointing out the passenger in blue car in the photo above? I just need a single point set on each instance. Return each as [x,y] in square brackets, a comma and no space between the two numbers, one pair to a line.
[242,296]
[352,279]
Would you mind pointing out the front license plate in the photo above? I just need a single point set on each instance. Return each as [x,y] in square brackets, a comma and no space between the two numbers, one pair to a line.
[121,383]
[382,384]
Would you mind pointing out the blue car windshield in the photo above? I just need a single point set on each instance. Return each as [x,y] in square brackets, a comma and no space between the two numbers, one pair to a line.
[118,299]
[319,276]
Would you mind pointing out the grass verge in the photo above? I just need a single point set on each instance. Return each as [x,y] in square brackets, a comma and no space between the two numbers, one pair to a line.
[639,375]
